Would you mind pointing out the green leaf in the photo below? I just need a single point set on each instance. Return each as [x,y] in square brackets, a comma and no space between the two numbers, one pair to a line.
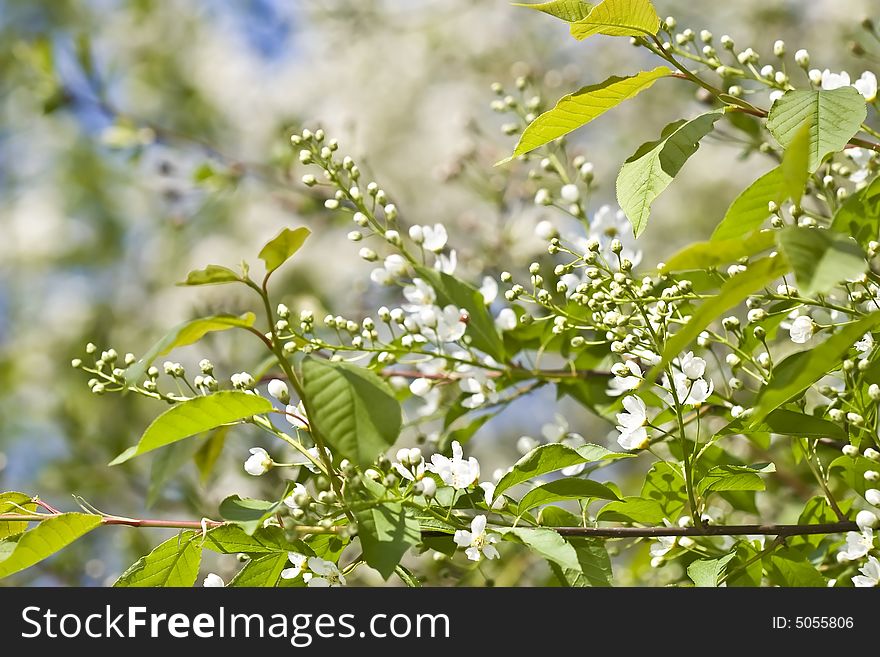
[750,209]
[801,370]
[734,290]
[167,463]
[186,334]
[635,18]
[550,458]
[834,117]
[247,512]
[653,166]
[352,408]
[206,456]
[480,325]
[595,565]
[633,509]
[264,571]
[211,275]
[852,471]
[714,253]
[859,216]
[795,164]
[544,542]
[567,10]
[173,563]
[568,488]
[706,572]
[817,511]
[584,105]
[281,247]
[14,502]
[821,259]
[232,539]
[24,550]
[788,567]
[733,477]
[194,416]
[787,423]
[386,532]
[664,484]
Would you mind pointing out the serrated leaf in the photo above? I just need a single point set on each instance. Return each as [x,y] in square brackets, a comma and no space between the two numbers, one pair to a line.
[174,563]
[707,572]
[795,164]
[734,290]
[232,539]
[595,564]
[24,550]
[550,458]
[14,502]
[714,253]
[633,509]
[834,117]
[386,532]
[480,326]
[787,567]
[787,423]
[750,209]
[821,259]
[185,334]
[281,247]
[544,542]
[801,370]
[584,105]
[264,571]
[654,165]
[732,477]
[568,488]
[567,10]
[195,416]
[247,512]
[859,216]
[619,18]
[353,409]
[211,275]
[852,471]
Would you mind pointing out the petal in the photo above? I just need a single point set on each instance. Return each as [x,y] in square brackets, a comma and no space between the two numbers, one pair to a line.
[478,525]
[462,538]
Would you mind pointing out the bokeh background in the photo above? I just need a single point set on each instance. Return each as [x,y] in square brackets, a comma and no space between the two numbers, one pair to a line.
[140,139]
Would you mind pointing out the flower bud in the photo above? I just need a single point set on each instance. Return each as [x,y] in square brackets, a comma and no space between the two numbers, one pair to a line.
[866,520]
[850,450]
[802,57]
[873,496]
[278,389]
[368,254]
[872,475]
[872,454]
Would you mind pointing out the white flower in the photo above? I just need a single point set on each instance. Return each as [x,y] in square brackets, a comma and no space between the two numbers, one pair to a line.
[862,158]
[870,574]
[545,230]
[278,389]
[455,471]
[259,462]
[693,366]
[570,193]
[298,490]
[213,580]
[618,385]
[858,544]
[663,545]
[449,326]
[865,345]
[489,496]
[867,86]
[324,574]
[801,329]
[489,289]
[631,424]
[446,264]
[393,267]
[420,387]
[415,471]
[866,520]
[689,392]
[418,294]
[296,415]
[873,496]
[506,320]
[478,543]
[831,81]
[315,454]
[434,237]
[481,389]
[299,565]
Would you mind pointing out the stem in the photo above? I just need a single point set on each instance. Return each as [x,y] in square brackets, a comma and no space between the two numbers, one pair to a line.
[688,475]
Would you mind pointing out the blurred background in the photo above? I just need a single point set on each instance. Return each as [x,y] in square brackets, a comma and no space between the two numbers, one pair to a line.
[140,139]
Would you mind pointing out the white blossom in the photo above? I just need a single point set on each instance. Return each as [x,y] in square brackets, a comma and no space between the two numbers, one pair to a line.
[831,81]
[299,562]
[489,289]
[323,574]
[296,416]
[278,389]
[435,237]
[419,294]
[631,424]
[867,86]
[618,385]
[801,330]
[570,193]
[506,320]
[865,345]
[870,574]
[866,520]
[477,541]
[259,462]
[455,471]
[213,580]
[297,491]
[693,366]
[858,544]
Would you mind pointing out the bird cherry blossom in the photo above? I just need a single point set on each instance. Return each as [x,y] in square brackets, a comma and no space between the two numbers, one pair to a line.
[455,471]
[259,462]
[631,424]
[477,542]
